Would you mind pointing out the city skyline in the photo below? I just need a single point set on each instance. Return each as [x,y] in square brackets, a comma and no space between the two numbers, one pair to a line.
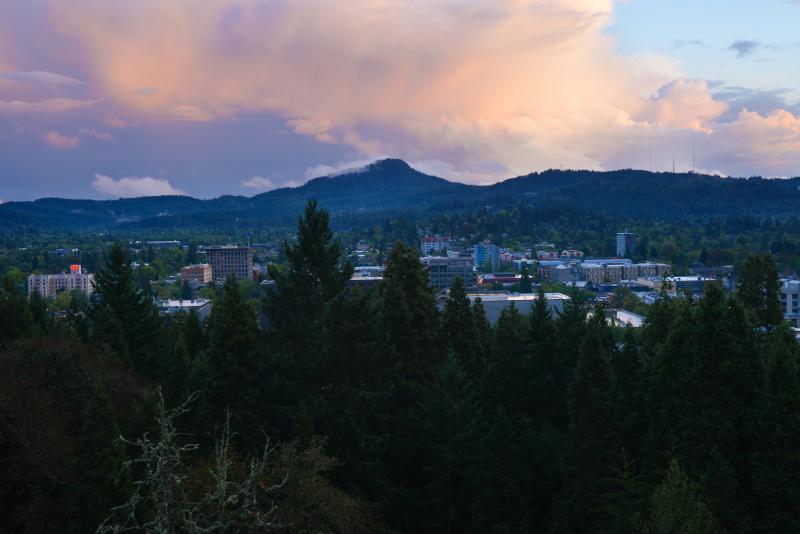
[107,100]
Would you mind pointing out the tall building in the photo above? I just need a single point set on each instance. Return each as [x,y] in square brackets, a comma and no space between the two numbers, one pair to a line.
[49,285]
[626,244]
[200,272]
[443,271]
[429,244]
[230,259]
[790,301]
[486,254]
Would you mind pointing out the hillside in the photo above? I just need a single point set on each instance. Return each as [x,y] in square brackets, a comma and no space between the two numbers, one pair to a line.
[392,185]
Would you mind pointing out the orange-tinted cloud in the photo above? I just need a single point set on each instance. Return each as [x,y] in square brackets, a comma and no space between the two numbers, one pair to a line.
[61,141]
[480,89]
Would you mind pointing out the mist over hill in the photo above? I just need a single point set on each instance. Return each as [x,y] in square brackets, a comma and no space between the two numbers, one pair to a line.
[392,185]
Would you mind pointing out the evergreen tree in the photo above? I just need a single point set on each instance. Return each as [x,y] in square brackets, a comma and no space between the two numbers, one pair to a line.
[295,305]
[629,395]
[773,314]
[409,319]
[678,506]
[39,312]
[186,291]
[298,310]
[102,480]
[594,446]
[458,328]
[777,460]
[408,322]
[16,320]
[235,363]
[122,316]
[193,336]
[547,366]
[525,281]
[500,504]
[484,336]
[759,289]
[451,426]
[506,380]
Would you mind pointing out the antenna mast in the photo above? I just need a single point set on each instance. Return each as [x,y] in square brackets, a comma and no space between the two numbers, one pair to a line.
[693,151]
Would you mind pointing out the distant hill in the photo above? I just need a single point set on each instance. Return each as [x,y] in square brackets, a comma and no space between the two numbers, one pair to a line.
[392,185]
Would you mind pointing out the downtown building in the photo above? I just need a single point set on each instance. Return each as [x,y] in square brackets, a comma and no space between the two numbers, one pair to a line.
[443,271]
[50,285]
[430,244]
[615,271]
[200,273]
[230,259]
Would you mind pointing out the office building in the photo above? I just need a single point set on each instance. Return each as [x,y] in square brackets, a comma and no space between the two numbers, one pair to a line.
[696,285]
[200,273]
[558,274]
[486,255]
[429,244]
[443,271]
[49,285]
[614,272]
[230,259]
[790,301]
[626,244]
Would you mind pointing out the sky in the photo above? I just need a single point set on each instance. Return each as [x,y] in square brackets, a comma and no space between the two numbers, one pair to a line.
[108,99]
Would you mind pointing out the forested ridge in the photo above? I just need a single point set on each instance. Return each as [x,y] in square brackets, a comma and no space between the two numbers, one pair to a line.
[328,408]
[391,186]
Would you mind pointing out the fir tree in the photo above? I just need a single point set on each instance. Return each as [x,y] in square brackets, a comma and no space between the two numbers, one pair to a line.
[235,363]
[451,426]
[678,506]
[458,327]
[594,446]
[103,482]
[122,316]
[547,367]
[16,320]
[777,460]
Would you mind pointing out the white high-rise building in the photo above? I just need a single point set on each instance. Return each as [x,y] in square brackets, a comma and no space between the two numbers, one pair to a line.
[49,285]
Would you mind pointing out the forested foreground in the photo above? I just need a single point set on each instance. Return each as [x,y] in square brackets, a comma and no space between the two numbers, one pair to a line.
[330,409]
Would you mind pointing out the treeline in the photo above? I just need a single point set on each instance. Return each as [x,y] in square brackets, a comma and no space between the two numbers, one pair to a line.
[391,414]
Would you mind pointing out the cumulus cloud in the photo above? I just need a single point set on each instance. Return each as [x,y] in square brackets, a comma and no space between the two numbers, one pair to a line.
[52,105]
[259,183]
[683,104]
[133,186]
[61,141]
[476,89]
[40,77]
[744,47]
[319,128]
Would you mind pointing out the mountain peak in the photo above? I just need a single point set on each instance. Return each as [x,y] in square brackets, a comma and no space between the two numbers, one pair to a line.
[391,165]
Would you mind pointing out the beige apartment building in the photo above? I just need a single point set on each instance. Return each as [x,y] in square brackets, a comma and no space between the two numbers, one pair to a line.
[200,272]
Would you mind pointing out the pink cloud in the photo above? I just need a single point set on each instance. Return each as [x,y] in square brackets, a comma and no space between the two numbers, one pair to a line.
[477,89]
[53,105]
[61,141]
